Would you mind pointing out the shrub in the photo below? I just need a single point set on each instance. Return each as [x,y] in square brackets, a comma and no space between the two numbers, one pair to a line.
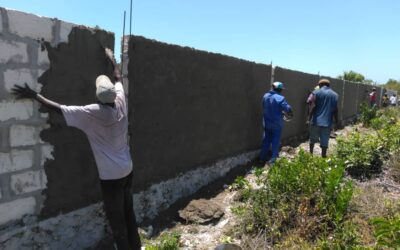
[387,231]
[344,237]
[308,193]
[167,241]
[367,114]
[361,154]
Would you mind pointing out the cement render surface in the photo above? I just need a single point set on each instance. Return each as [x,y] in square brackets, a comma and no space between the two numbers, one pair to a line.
[298,86]
[72,174]
[189,108]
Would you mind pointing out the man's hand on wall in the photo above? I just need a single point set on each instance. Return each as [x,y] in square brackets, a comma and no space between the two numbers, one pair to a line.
[23,92]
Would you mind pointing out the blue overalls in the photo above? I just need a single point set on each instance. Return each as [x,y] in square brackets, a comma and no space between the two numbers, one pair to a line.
[273,105]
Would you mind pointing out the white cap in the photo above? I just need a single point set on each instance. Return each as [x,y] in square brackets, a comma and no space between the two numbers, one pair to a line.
[105,90]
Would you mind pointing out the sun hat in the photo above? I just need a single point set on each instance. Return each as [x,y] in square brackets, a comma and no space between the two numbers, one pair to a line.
[105,90]
[322,81]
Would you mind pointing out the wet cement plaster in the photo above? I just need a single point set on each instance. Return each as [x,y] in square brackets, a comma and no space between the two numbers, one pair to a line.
[72,175]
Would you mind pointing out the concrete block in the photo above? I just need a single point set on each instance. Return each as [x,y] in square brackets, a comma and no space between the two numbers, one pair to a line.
[27,182]
[22,135]
[65,29]
[15,210]
[43,179]
[43,57]
[13,52]
[19,76]
[16,160]
[1,24]
[19,110]
[47,150]
[32,26]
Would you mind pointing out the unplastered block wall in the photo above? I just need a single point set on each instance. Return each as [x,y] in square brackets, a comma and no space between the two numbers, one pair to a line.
[22,152]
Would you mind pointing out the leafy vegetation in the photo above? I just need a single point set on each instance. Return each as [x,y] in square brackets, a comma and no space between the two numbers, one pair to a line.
[352,76]
[392,84]
[387,231]
[166,241]
[308,193]
[305,202]
[361,154]
[367,114]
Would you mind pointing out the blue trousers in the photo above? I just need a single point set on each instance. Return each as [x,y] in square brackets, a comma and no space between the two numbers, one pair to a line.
[271,138]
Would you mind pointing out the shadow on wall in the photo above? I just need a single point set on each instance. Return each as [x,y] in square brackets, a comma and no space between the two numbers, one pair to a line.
[70,80]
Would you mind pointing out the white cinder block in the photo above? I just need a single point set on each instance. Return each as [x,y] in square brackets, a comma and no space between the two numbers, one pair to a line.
[18,76]
[19,110]
[44,179]
[65,29]
[44,115]
[15,160]
[13,52]
[15,210]
[1,24]
[47,150]
[32,26]
[26,182]
[43,57]
[21,135]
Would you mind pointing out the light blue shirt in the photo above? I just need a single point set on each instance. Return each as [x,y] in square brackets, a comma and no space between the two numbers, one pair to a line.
[325,105]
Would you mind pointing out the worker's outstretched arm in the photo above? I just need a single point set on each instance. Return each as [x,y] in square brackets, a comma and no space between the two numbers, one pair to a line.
[22,92]
[117,72]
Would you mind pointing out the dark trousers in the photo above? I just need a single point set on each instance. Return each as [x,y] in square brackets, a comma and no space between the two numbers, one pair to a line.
[118,205]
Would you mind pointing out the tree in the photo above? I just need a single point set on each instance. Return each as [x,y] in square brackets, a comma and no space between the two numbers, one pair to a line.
[392,84]
[352,76]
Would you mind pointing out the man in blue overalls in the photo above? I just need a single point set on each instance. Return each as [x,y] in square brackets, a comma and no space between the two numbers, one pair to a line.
[274,107]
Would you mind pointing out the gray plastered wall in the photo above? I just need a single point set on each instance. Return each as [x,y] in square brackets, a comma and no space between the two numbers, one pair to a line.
[298,86]
[190,108]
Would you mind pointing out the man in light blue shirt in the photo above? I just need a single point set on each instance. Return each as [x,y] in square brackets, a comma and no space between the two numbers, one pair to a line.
[274,107]
[324,110]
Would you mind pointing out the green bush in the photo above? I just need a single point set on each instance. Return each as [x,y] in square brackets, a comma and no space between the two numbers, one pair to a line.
[367,114]
[308,193]
[387,231]
[344,237]
[167,241]
[361,153]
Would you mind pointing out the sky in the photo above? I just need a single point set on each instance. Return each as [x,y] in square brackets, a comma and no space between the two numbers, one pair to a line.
[313,36]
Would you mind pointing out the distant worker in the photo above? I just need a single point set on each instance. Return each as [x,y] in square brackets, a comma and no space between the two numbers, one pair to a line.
[372,98]
[393,100]
[274,108]
[106,125]
[385,100]
[324,110]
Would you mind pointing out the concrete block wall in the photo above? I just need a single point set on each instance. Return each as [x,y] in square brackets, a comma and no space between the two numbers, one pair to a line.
[22,152]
